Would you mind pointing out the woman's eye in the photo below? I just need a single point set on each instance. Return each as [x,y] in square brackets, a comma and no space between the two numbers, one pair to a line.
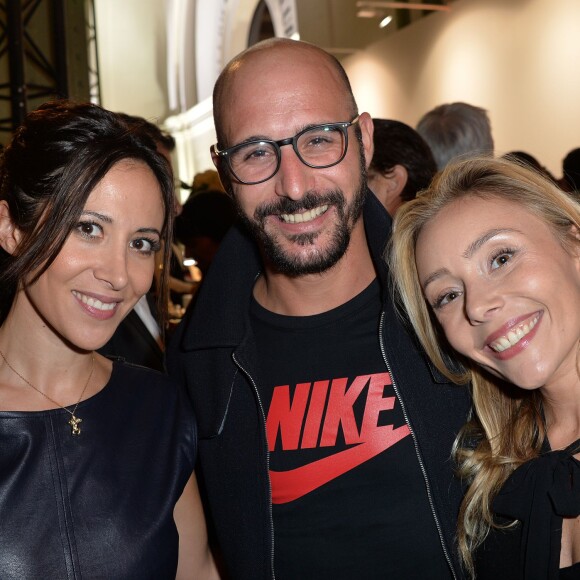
[501,260]
[145,245]
[445,299]
[89,229]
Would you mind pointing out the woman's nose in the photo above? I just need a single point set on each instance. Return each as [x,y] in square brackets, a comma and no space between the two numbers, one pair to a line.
[481,302]
[112,268]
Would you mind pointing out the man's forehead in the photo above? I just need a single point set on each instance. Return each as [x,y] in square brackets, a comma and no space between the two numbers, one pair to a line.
[279,69]
[287,96]
[277,122]
[298,65]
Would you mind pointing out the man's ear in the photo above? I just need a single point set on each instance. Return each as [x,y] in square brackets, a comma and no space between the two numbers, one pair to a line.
[215,158]
[9,234]
[388,185]
[222,172]
[365,123]
[397,179]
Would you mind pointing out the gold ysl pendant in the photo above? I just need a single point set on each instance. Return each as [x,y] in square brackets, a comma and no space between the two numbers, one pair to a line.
[74,423]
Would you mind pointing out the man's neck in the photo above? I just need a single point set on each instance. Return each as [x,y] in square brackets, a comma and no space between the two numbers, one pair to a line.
[315,293]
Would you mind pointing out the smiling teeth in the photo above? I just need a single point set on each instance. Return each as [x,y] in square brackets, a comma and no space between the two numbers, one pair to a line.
[94,303]
[513,336]
[307,216]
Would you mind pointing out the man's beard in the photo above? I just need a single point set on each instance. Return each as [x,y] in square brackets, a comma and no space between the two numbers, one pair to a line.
[318,261]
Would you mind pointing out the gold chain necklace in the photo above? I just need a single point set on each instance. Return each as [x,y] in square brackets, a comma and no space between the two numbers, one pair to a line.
[73,421]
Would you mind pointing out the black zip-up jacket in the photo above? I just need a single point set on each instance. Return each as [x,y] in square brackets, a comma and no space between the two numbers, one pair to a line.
[214,354]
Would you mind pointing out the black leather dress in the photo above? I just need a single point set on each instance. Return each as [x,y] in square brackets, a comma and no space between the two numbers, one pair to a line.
[100,504]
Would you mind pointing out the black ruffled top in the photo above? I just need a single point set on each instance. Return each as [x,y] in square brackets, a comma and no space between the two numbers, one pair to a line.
[539,494]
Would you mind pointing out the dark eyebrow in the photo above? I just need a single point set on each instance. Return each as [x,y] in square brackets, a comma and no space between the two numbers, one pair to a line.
[108,220]
[476,244]
[252,139]
[100,216]
[149,231]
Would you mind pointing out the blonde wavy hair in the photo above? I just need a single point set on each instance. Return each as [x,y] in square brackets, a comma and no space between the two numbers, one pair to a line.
[506,427]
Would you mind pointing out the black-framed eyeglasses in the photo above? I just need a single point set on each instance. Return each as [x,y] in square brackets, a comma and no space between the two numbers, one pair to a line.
[320,146]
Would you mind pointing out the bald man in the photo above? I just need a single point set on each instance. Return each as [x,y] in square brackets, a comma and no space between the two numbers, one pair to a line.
[324,440]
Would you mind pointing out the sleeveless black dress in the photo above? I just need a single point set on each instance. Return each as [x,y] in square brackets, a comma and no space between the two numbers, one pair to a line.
[100,504]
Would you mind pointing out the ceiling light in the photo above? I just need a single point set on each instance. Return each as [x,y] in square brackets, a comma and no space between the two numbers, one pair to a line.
[385,21]
[368,13]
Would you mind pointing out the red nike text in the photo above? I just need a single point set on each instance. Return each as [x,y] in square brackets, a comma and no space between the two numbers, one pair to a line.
[287,417]
[313,416]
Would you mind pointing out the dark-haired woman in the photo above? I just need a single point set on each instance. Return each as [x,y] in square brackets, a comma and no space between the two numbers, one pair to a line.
[96,457]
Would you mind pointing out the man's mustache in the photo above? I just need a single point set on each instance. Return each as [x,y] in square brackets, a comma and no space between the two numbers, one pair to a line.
[309,201]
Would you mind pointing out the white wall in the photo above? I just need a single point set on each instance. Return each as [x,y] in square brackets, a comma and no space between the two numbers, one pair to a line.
[519,59]
[132,61]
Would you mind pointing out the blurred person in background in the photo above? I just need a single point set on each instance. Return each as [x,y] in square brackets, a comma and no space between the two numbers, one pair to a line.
[571,172]
[206,217]
[456,130]
[402,164]
[522,157]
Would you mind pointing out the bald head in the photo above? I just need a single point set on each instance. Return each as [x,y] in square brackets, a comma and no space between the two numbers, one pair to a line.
[277,54]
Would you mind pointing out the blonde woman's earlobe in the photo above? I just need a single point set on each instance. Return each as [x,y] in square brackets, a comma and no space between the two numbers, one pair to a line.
[9,233]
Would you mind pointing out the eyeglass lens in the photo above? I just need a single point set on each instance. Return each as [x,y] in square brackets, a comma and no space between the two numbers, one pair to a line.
[317,147]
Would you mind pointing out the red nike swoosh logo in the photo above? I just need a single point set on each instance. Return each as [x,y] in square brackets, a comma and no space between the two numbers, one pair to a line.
[295,483]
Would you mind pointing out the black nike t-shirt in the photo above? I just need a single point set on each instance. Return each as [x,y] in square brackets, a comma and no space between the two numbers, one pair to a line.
[349,499]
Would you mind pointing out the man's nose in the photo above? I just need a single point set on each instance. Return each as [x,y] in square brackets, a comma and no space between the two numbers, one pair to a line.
[294,178]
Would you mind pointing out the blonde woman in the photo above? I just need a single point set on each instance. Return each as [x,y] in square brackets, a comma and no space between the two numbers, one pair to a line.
[486,264]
